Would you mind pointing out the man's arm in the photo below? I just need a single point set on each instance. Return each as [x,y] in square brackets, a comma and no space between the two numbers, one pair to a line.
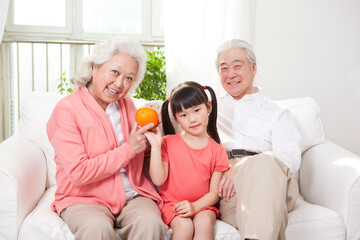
[286,141]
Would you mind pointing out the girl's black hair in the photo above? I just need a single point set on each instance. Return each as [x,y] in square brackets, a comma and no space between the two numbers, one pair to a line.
[186,95]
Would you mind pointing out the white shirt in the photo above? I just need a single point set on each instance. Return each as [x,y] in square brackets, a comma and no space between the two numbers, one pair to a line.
[113,112]
[255,123]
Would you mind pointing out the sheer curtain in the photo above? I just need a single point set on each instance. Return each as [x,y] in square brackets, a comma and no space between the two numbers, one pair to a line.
[4,6]
[194,30]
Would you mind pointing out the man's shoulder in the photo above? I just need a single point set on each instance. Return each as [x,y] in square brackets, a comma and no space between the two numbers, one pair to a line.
[268,102]
[221,97]
[224,99]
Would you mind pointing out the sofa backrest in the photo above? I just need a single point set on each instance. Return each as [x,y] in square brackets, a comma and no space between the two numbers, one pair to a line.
[35,111]
[37,107]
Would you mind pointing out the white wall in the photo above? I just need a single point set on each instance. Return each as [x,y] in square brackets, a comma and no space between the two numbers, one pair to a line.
[312,48]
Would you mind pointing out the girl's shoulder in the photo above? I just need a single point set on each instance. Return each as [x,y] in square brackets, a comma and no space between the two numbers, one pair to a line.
[171,137]
[214,145]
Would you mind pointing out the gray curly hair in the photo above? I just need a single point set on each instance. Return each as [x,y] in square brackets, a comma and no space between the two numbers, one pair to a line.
[103,52]
[236,43]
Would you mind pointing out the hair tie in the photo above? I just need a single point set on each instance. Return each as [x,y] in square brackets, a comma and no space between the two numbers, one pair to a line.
[208,94]
[168,99]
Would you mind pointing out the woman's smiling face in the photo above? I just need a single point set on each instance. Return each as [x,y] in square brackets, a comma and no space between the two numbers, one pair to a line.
[113,79]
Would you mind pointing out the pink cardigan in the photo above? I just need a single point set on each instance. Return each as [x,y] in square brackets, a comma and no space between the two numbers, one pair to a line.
[88,157]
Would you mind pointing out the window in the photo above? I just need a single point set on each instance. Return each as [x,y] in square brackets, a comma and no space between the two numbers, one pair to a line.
[86,19]
[121,16]
[44,38]
[53,16]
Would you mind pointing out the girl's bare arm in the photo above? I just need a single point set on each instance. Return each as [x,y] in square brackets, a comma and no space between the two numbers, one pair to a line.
[158,169]
[187,209]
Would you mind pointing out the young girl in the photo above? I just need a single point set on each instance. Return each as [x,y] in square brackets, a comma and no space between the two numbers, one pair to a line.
[188,166]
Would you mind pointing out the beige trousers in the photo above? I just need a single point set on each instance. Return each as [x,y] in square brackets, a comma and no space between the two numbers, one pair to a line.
[139,219]
[265,193]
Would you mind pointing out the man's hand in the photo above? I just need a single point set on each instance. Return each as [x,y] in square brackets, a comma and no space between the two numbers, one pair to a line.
[184,209]
[226,186]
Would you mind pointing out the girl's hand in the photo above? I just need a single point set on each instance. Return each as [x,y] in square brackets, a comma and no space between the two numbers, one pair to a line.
[184,209]
[154,137]
[137,139]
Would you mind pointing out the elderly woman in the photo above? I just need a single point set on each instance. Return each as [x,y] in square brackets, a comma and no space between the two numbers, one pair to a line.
[99,150]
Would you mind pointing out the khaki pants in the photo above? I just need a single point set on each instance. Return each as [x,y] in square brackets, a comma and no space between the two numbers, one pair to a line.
[265,193]
[139,219]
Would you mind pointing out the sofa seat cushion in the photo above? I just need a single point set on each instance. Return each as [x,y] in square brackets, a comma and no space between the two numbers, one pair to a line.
[307,221]
[44,224]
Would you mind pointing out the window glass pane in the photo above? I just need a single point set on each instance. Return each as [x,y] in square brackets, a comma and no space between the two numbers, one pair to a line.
[40,12]
[157,18]
[120,16]
[161,16]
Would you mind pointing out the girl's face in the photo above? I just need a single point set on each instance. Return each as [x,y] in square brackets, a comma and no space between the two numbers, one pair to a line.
[194,120]
[113,79]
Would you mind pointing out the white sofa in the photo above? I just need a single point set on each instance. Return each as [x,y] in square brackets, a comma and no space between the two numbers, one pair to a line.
[329,180]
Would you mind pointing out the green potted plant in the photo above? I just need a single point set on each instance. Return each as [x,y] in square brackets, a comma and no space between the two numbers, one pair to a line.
[64,85]
[153,87]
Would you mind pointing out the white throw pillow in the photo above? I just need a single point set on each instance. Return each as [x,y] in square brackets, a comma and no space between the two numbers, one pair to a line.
[35,111]
[306,114]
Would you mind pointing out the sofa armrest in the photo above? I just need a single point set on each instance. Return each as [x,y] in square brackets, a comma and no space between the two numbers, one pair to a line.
[22,182]
[330,177]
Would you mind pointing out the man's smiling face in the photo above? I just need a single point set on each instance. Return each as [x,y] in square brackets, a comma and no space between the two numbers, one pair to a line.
[236,73]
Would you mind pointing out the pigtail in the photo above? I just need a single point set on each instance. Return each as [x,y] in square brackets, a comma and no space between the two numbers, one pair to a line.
[165,118]
[212,128]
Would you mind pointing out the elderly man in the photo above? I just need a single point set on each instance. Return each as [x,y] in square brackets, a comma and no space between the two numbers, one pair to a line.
[263,145]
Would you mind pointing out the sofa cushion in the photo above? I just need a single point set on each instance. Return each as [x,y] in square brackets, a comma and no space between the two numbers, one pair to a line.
[306,113]
[43,224]
[307,221]
[35,111]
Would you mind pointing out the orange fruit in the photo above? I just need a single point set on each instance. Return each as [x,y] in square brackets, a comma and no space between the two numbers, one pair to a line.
[146,115]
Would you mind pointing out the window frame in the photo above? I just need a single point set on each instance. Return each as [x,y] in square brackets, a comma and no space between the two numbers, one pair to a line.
[73,30]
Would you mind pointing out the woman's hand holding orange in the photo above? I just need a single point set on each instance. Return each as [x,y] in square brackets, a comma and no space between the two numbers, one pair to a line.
[137,139]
